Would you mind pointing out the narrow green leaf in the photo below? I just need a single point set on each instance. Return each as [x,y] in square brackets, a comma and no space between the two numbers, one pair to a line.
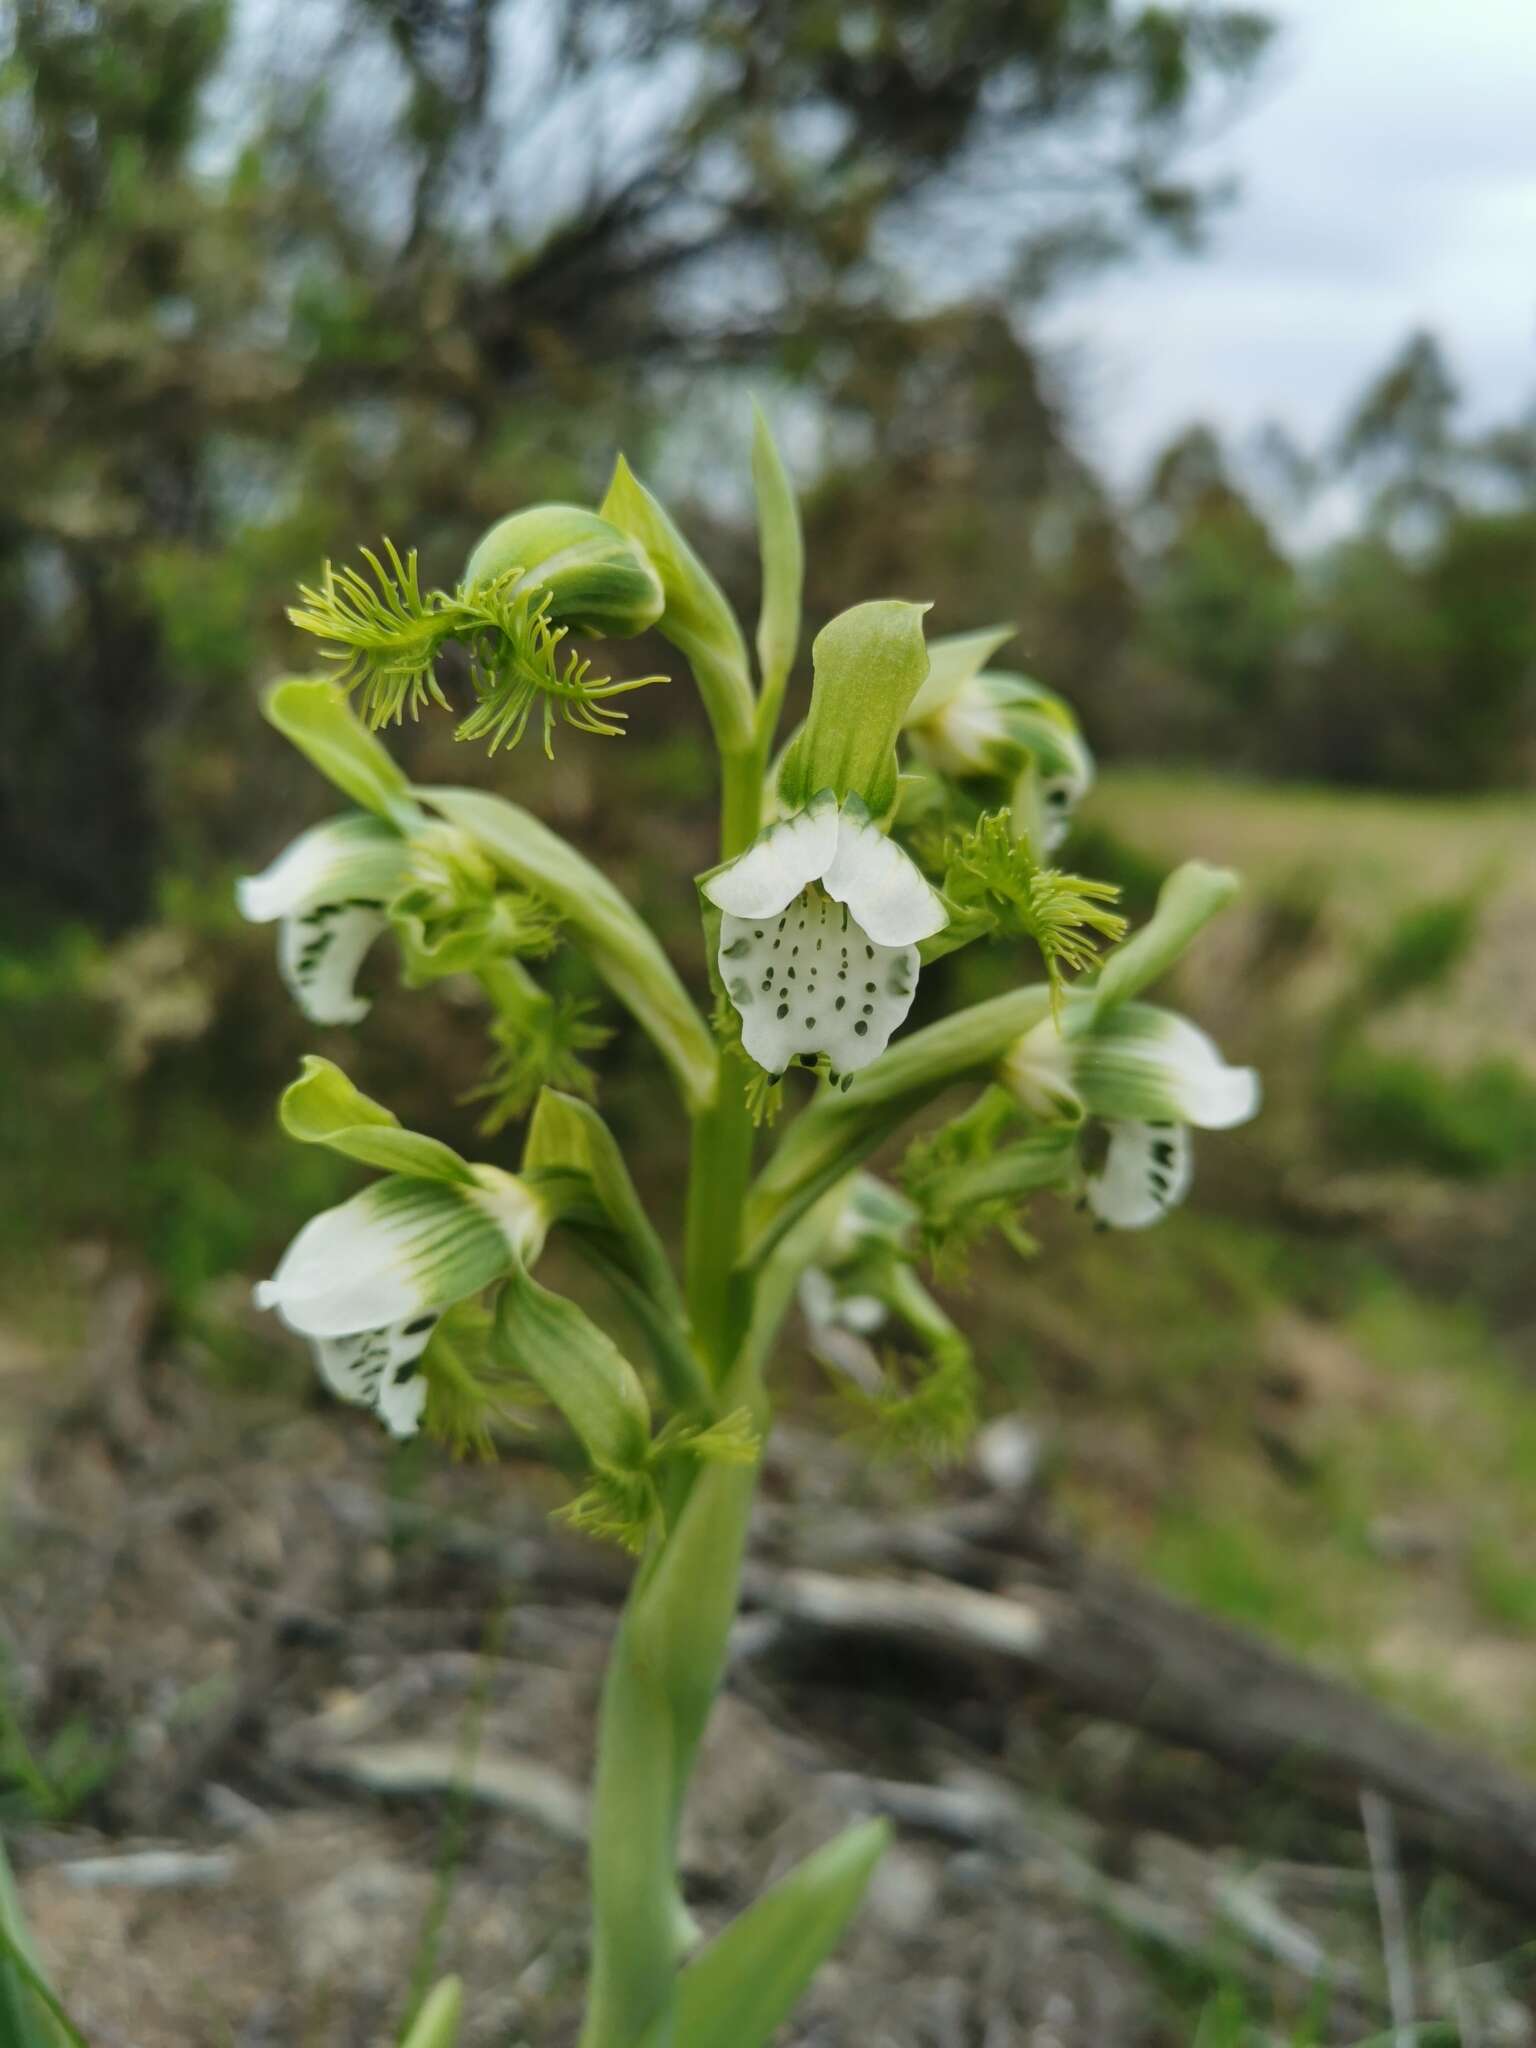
[566,1135]
[750,1978]
[840,1129]
[30,2013]
[698,619]
[579,1367]
[316,716]
[323,1107]
[437,2024]
[1189,899]
[621,946]
[568,1138]
[781,547]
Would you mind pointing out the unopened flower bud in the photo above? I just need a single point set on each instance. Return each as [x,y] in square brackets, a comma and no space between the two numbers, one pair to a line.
[600,580]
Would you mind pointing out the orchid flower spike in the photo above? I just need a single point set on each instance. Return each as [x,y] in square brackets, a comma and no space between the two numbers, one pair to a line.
[818,940]
[367,1281]
[1136,1078]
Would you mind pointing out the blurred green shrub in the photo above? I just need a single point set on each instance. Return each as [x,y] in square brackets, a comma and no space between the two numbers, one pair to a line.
[1422,949]
[1392,1109]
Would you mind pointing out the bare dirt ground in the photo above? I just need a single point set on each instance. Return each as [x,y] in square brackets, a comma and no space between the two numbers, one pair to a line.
[343,1705]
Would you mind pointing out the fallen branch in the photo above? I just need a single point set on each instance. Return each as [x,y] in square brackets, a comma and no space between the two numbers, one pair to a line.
[1120,1648]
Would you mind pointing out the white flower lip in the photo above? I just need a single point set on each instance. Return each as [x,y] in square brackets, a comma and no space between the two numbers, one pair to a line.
[840,847]
[1146,1172]
[377,1369]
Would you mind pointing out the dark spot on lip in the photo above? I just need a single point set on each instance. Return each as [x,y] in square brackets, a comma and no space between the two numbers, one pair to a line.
[810,1023]
[783,1010]
[861,1027]
[840,1002]
[421,1323]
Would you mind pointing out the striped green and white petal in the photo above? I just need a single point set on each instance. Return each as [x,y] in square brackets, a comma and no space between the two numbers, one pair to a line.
[402,1249]
[1001,724]
[826,1307]
[1146,1171]
[380,1369]
[1143,1064]
[328,891]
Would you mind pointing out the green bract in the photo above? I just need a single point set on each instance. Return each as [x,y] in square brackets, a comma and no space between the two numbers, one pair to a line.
[314,714]
[696,617]
[597,578]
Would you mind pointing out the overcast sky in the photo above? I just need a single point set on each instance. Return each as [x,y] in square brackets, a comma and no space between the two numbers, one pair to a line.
[1388,172]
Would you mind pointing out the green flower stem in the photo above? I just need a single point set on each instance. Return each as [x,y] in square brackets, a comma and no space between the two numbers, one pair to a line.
[719,1295]
[662,1679]
[670,1653]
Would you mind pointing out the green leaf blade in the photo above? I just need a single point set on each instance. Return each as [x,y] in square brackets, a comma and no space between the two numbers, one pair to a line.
[750,1978]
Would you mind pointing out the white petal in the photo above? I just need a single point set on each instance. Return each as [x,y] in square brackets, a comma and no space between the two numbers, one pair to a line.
[318,955]
[969,736]
[377,1369]
[826,1307]
[329,888]
[345,857]
[880,885]
[779,862]
[399,1250]
[1140,1062]
[818,1298]
[1146,1172]
[1039,1071]
[813,981]
[863,1313]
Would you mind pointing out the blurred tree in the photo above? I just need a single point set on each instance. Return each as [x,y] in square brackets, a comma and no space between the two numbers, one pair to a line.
[1400,441]
[1418,666]
[270,276]
[1219,598]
